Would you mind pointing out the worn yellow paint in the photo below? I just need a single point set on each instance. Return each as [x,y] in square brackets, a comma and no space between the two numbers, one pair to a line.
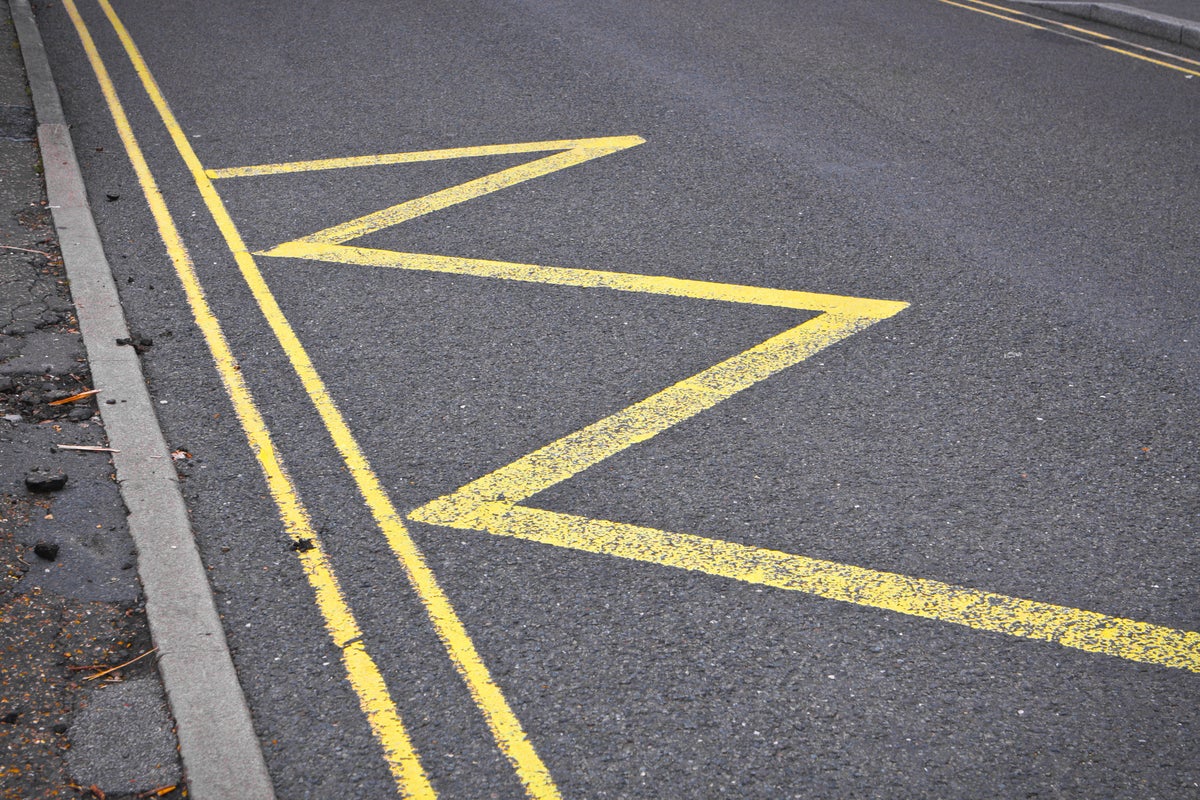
[592,279]
[1155,61]
[1088,32]
[506,728]
[919,597]
[643,420]
[584,150]
[490,503]
[619,142]
[1013,15]
[361,670]
[992,14]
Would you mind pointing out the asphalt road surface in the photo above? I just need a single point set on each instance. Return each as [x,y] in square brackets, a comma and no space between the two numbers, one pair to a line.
[685,399]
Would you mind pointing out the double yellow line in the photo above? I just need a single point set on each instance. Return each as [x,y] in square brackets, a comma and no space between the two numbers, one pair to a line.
[361,669]
[1160,58]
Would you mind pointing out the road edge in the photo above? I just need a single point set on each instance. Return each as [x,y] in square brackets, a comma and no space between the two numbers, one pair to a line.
[1129,18]
[221,754]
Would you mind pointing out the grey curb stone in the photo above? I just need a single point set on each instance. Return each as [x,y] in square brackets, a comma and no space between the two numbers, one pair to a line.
[1149,23]
[222,757]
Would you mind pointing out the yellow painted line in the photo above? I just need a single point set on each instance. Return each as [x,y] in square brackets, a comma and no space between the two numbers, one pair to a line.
[489,503]
[992,14]
[362,672]
[591,279]
[420,155]
[918,597]
[419,207]
[1088,32]
[1155,61]
[502,721]
[641,421]
[980,8]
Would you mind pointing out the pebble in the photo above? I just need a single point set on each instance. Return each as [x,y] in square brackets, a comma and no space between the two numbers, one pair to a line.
[46,550]
[41,480]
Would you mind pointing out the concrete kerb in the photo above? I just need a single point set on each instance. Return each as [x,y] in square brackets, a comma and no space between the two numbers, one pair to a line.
[222,757]
[1130,18]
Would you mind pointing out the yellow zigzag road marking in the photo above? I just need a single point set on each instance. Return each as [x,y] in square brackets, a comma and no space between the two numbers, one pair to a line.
[843,307]
[490,504]
[1084,630]
[611,143]
[585,150]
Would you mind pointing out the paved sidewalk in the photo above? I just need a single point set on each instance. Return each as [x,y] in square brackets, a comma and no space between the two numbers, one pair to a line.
[70,600]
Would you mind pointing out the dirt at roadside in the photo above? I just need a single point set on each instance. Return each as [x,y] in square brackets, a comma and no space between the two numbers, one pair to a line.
[70,603]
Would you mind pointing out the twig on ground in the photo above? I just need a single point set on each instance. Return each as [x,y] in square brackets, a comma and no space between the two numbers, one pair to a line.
[73,398]
[119,666]
[26,250]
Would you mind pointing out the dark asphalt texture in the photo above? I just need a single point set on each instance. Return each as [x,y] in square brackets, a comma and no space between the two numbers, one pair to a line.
[1028,426]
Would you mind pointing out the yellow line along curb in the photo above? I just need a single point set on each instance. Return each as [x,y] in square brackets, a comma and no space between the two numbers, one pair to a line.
[1088,37]
[362,672]
[506,729]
